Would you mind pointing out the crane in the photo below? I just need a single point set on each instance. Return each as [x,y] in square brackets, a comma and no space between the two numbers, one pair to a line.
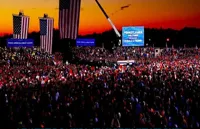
[111,23]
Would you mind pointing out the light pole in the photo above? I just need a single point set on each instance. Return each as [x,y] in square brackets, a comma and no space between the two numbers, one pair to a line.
[149,41]
[167,41]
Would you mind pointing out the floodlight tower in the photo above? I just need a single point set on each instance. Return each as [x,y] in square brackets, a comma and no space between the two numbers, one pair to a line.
[111,23]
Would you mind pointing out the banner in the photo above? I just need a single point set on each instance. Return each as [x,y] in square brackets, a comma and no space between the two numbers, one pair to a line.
[133,36]
[85,42]
[20,43]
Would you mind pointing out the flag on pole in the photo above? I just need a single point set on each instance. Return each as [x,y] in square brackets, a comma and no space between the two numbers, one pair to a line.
[46,34]
[20,27]
[69,13]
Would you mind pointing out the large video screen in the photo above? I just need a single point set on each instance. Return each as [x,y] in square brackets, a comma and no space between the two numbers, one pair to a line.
[133,36]
[20,43]
[85,42]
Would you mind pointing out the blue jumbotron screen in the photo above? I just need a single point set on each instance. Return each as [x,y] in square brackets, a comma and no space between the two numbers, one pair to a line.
[20,43]
[133,36]
[85,42]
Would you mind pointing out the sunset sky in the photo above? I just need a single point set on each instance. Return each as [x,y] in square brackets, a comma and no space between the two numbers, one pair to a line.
[174,14]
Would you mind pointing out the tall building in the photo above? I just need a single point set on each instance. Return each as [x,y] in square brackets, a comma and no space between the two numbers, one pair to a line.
[69,13]
[20,26]
[46,33]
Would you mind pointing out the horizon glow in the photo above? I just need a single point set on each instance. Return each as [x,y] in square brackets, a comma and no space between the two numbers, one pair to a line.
[175,14]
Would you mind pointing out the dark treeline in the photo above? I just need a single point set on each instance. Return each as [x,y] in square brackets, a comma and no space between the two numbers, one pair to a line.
[156,37]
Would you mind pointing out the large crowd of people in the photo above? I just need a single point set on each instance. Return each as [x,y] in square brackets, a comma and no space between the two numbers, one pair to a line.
[39,90]
[130,53]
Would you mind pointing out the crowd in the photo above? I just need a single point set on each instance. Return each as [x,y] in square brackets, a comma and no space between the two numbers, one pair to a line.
[131,53]
[38,90]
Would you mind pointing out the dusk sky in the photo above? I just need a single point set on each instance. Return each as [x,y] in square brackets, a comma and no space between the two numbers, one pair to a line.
[174,14]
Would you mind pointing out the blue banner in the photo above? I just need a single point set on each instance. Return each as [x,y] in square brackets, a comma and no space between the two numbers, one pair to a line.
[85,42]
[20,43]
[133,36]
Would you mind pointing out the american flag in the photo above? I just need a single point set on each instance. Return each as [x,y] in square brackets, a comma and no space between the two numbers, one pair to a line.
[46,34]
[20,27]
[69,13]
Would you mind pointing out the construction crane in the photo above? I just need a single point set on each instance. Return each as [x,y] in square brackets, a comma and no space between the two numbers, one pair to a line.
[111,23]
